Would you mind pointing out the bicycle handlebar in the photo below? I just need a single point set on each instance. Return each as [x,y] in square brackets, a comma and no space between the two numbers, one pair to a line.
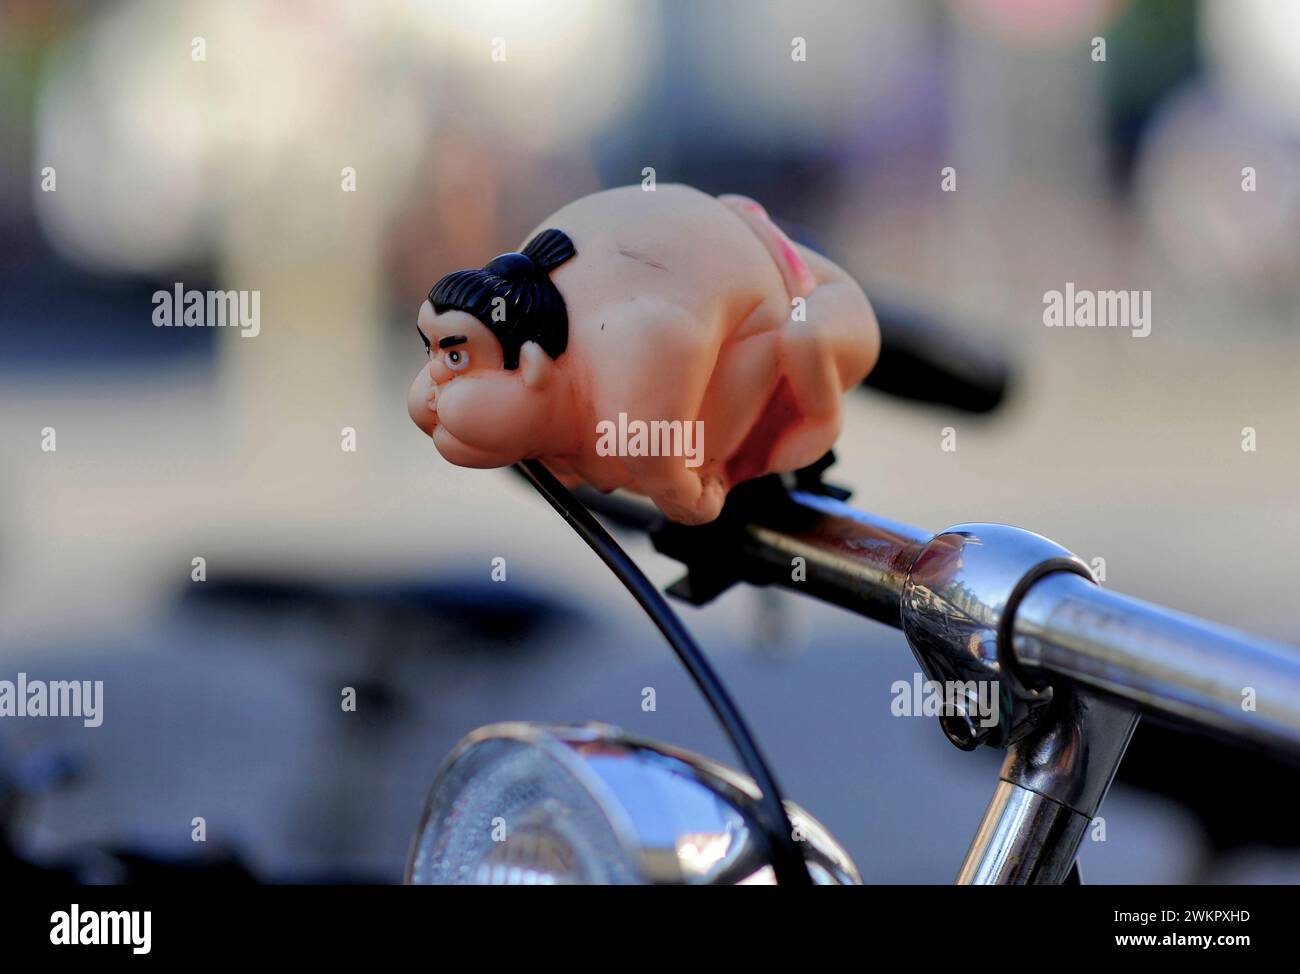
[1060,626]
[1163,661]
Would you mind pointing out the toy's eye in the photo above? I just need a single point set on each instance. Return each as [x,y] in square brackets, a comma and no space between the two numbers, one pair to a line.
[428,349]
[457,359]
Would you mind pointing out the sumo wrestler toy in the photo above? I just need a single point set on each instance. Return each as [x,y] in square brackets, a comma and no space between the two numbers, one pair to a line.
[667,342]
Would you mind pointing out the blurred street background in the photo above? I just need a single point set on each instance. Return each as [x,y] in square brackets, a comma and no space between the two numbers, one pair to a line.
[370,569]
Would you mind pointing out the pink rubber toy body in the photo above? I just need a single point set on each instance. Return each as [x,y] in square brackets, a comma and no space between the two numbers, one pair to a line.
[682,308]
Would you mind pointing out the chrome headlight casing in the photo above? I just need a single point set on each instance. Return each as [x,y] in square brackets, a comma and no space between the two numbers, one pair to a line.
[538,804]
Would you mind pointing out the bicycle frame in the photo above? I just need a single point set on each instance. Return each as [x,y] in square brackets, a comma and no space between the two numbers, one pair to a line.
[1004,602]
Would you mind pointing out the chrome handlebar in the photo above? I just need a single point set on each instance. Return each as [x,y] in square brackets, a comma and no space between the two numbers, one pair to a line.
[1162,661]
[1054,625]
[1074,665]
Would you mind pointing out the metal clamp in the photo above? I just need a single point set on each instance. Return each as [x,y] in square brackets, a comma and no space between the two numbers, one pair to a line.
[957,608]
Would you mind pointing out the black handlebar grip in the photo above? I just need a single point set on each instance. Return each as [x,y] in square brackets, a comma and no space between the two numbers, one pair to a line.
[925,360]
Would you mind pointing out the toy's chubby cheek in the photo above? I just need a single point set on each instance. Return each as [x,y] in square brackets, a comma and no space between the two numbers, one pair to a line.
[476,421]
[490,413]
[457,451]
[421,402]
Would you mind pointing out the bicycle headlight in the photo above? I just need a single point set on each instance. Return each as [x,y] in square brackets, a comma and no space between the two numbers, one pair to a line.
[535,804]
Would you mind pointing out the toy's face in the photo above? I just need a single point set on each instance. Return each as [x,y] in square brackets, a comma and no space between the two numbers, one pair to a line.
[478,413]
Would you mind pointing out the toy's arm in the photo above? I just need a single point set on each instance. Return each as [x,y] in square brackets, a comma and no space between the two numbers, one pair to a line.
[670,385]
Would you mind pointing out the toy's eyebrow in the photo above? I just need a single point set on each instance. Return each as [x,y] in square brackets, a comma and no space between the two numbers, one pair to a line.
[451,340]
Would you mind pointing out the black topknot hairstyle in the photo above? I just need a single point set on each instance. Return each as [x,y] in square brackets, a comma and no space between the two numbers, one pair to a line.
[534,307]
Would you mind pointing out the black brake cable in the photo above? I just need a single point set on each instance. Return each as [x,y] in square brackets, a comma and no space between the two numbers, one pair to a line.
[787,860]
